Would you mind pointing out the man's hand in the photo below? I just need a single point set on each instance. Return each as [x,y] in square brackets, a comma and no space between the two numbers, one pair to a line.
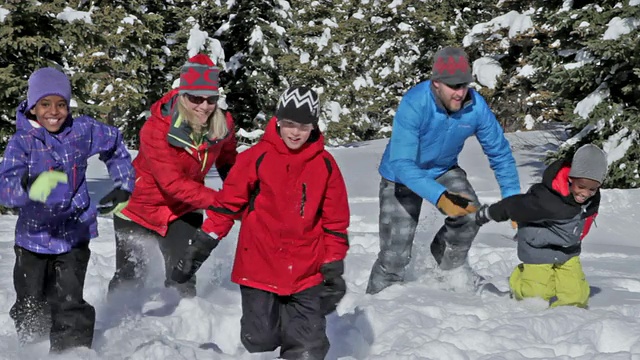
[200,247]
[454,205]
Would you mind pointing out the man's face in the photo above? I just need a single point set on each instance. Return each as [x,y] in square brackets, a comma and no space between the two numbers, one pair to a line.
[452,96]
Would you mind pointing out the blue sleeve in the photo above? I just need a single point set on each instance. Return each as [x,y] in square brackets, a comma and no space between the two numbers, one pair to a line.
[107,141]
[12,168]
[404,147]
[496,146]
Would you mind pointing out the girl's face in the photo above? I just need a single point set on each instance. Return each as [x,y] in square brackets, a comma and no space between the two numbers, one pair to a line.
[201,106]
[294,134]
[583,189]
[51,112]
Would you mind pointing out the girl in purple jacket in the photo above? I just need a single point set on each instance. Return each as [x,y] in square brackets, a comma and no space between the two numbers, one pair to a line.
[43,174]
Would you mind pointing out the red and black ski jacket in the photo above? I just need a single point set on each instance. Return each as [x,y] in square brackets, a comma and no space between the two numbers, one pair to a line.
[295,214]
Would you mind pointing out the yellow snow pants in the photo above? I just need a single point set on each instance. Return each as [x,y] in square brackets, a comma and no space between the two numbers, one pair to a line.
[566,282]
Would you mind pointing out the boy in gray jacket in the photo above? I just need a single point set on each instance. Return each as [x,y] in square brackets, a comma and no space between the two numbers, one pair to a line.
[553,217]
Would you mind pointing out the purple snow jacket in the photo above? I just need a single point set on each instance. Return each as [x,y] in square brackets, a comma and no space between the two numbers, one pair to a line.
[68,217]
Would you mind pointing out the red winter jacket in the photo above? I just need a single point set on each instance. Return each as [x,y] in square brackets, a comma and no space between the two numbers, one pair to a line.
[296,217]
[171,170]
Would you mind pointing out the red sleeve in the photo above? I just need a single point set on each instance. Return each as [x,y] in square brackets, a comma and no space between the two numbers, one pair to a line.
[587,225]
[335,215]
[162,162]
[228,153]
[234,196]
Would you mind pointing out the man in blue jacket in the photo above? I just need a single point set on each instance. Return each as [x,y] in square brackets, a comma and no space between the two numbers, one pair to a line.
[432,122]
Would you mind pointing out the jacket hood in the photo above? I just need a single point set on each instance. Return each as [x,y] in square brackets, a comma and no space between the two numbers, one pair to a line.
[163,108]
[313,146]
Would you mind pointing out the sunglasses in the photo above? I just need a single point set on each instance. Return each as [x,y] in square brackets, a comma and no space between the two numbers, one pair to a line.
[211,100]
[292,124]
[457,86]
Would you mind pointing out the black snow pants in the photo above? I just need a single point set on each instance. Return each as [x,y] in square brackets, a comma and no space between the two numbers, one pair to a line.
[49,298]
[294,323]
[399,213]
[132,259]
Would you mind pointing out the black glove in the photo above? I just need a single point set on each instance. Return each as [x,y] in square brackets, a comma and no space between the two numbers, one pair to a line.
[482,215]
[199,249]
[334,286]
[116,200]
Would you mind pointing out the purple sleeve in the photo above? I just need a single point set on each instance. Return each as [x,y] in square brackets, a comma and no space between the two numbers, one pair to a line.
[107,141]
[12,168]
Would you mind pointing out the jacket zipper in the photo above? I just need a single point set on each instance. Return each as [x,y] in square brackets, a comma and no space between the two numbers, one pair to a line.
[304,198]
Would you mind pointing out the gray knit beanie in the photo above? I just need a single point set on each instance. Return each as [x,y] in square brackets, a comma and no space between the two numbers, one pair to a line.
[451,66]
[589,162]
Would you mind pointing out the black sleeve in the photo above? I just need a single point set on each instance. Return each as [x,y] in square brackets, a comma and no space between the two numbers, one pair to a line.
[522,208]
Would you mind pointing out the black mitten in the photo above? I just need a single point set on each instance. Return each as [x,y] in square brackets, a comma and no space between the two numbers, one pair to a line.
[334,286]
[116,200]
[199,249]
[482,215]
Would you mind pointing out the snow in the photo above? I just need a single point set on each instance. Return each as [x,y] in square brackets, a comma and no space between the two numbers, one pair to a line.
[71,15]
[516,23]
[586,105]
[3,13]
[527,71]
[486,71]
[634,2]
[617,145]
[251,135]
[618,27]
[420,319]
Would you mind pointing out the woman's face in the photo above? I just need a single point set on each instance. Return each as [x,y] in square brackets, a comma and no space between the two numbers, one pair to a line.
[51,112]
[201,106]
[294,134]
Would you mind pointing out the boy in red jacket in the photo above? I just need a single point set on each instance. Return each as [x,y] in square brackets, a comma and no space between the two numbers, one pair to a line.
[553,217]
[293,237]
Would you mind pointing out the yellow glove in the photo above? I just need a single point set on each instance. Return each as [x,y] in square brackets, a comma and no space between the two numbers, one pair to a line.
[454,205]
[45,183]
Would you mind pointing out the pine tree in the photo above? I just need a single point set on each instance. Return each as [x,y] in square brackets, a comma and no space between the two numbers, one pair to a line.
[255,42]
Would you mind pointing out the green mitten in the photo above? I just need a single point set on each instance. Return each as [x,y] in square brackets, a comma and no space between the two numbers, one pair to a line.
[45,183]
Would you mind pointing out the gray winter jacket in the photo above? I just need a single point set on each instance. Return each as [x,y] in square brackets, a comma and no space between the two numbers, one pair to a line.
[551,224]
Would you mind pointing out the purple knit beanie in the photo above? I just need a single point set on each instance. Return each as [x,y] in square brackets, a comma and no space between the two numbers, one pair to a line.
[45,82]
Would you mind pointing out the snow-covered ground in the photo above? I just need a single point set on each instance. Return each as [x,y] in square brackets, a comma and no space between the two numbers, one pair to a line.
[420,319]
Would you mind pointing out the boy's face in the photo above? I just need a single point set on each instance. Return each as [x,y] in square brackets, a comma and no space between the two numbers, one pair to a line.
[294,134]
[583,189]
[51,112]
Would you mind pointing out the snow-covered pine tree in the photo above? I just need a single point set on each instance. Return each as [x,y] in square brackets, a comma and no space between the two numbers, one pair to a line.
[116,71]
[255,41]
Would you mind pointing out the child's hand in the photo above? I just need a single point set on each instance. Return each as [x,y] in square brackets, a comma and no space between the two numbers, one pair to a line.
[199,249]
[482,215]
[45,183]
[114,202]
[334,286]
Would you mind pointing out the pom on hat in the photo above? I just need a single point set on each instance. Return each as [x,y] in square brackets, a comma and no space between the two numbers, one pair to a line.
[46,82]
[451,66]
[299,104]
[589,162]
[199,76]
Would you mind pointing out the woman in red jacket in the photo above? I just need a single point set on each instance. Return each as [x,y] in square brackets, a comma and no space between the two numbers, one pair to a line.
[184,136]
[293,237]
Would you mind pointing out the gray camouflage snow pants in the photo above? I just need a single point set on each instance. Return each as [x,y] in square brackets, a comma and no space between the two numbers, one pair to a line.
[399,214]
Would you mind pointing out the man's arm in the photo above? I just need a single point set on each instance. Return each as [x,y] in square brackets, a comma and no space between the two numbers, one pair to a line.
[496,146]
